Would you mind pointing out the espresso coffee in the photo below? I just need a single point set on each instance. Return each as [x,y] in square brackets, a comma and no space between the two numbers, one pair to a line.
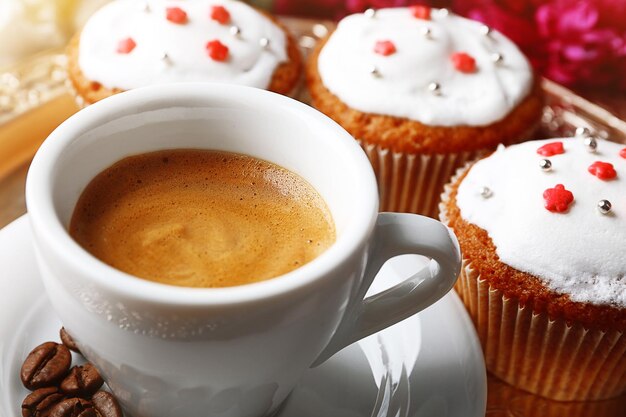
[199,218]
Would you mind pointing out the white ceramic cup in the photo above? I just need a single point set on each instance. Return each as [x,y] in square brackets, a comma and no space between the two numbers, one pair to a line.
[237,351]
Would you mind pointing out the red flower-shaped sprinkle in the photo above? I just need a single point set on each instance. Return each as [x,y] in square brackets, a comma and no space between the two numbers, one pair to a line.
[217,50]
[622,153]
[385,48]
[551,149]
[126,46]
[557,199]
[463,62]
[420,12]
[176,15]
[220,14]
[602,170]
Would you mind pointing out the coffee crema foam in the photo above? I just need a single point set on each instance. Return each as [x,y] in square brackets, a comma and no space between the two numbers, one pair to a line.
[197,218]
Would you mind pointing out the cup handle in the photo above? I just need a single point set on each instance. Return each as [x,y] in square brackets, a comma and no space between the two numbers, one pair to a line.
[399,234]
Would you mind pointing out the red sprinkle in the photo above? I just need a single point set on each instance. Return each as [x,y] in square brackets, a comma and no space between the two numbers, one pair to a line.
[220,14]
[463,62]
[176,15]
[602,170]
[126,46]
[420,12]
[551,149]
[622,153]
[385,48]
[217,50]
[558,199]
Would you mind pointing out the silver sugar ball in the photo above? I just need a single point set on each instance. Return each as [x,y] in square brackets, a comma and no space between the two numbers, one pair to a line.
[164,57]
[444,12]
[604,206]
[375,72]
[434,88]
[545,165]
[582,132]
[497,58]
[426,32]
[485,30]
[235,30]
[591,144]
[371,13]
[264,42]
[485,192]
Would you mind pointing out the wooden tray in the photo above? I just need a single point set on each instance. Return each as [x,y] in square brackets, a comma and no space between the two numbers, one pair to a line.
[34,100]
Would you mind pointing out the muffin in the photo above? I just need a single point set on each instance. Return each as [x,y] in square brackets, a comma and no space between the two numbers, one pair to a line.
[423,91]
[129,44]
[542,229]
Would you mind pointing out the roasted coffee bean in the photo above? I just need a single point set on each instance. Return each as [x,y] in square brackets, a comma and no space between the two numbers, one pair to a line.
[41,402]
[82,381]
[73,407]
[68,341]
[46,365]
[106,405]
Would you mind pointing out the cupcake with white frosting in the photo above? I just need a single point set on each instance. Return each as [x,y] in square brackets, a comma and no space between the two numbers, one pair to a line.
[130,43]
[542,228]
[424,91]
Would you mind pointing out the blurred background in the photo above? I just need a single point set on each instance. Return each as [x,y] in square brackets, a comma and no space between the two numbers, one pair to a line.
[577,43]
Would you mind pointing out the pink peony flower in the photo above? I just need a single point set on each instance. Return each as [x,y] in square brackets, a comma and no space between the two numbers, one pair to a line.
[578,49]
[574,42]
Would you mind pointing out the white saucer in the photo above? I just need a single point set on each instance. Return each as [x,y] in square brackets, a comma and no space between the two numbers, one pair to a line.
[428,365]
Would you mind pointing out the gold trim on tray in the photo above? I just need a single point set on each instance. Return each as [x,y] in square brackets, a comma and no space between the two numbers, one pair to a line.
[34,99]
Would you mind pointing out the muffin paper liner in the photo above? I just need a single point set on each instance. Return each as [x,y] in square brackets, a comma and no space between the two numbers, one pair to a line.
[549,357]
[413,183]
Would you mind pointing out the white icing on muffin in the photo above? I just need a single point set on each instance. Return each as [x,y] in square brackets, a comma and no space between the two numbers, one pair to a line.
[166,51]
[578,251]
[404,83]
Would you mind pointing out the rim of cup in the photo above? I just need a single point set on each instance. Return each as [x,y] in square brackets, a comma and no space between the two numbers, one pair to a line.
[49,229]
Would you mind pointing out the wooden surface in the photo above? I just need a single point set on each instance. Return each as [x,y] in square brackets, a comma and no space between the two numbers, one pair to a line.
[19,140]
